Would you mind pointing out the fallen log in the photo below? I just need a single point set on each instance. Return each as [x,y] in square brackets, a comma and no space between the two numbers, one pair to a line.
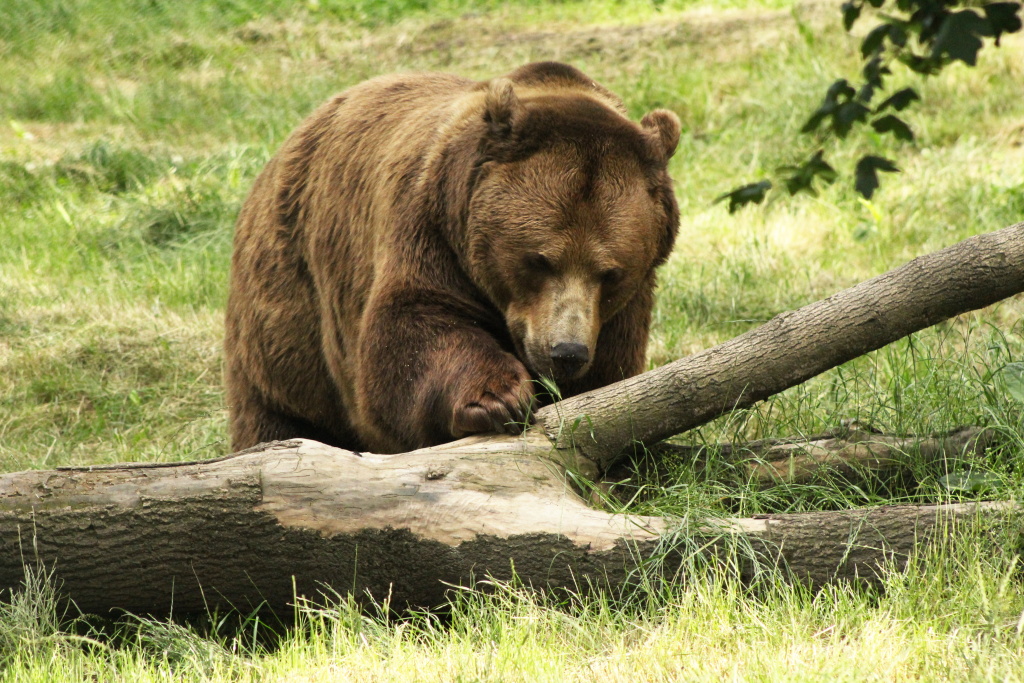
[257,527]
[293,517]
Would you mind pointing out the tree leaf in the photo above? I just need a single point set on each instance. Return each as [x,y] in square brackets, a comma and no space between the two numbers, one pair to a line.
[959,37]
[754,193]
[851,12]
[897,31]
[802,177]
[821,168]
[1013,377]
[839,89]
[928,18]
[872,43]
[816,119]
[867,174]
[899,100]
[895,125]
[846,115]
[1002,17]
[874,70]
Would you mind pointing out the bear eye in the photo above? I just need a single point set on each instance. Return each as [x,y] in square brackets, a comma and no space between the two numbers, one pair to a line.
[538,263]
[612,277]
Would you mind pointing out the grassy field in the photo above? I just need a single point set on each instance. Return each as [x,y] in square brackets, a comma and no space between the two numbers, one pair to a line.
[130,132]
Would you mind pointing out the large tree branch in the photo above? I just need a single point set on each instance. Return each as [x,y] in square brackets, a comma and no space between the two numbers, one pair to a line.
[789,349]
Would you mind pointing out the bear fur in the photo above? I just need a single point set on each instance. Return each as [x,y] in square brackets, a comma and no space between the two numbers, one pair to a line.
[425,246]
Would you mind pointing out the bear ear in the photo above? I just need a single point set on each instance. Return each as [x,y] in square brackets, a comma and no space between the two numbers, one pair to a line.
[501,108]
[663,125]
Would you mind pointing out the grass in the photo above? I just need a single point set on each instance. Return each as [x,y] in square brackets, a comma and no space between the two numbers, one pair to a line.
[130,132]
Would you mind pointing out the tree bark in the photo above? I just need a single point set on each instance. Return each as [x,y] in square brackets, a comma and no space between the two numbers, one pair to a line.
[789,349]
[256,527]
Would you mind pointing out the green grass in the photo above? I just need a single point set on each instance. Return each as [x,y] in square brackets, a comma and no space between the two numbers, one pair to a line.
[131,130]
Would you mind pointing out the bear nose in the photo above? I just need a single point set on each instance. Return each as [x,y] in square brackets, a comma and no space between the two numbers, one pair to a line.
[569,357]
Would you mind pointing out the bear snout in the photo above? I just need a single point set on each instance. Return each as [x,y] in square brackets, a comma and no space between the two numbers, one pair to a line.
[569,359]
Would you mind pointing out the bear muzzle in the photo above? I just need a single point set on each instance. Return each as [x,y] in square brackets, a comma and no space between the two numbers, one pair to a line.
[556,333]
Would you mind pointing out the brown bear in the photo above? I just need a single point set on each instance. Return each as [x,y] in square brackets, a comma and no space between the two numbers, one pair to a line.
[425,246]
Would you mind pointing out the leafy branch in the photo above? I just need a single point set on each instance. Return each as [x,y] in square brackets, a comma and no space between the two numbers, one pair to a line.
[923,35]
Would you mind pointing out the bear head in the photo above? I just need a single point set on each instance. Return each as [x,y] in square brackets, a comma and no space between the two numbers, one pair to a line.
[571,211]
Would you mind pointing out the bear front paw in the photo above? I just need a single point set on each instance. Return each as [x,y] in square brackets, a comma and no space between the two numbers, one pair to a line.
[498,400]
